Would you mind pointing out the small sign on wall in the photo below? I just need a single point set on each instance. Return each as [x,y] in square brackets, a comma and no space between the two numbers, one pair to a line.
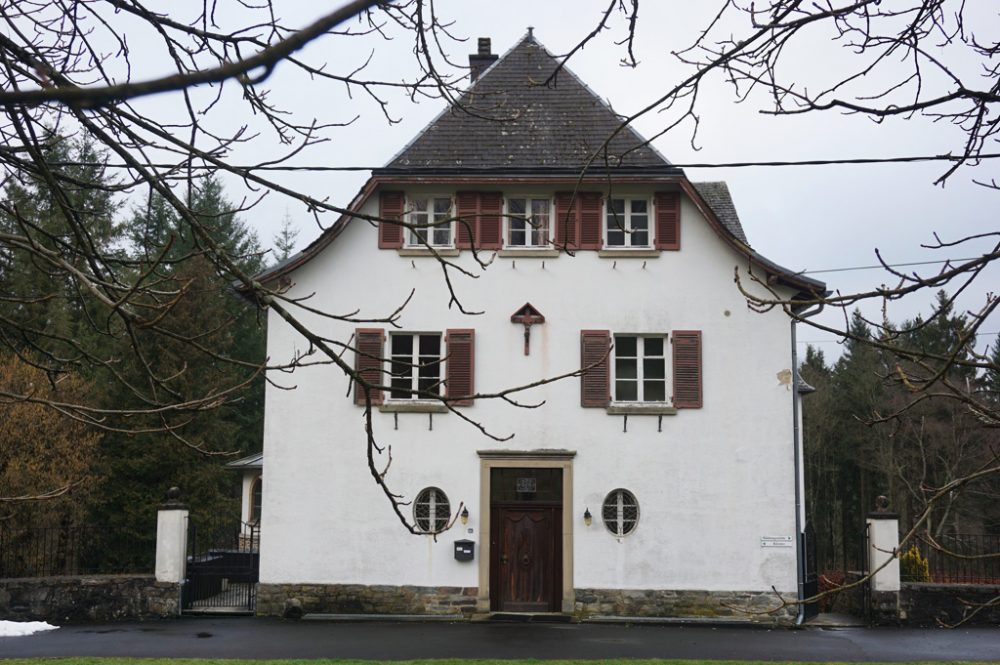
[775,541]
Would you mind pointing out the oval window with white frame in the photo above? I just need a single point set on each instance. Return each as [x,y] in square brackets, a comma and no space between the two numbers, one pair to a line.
[431,510]
[620,512]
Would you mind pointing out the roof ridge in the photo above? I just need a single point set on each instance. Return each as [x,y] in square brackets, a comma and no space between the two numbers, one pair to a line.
[448,107]
[603,100]
[564,124]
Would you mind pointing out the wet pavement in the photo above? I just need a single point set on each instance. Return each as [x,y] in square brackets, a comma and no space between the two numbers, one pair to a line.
[265,638]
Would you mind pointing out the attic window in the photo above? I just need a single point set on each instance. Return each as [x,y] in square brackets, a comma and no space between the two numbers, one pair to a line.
[430,217]
[528,222]
[627,223]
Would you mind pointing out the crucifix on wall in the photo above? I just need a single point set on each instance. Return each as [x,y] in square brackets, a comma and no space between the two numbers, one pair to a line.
[528,316]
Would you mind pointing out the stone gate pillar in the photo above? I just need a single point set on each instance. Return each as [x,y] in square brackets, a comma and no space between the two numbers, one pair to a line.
[171,539]
[883,546]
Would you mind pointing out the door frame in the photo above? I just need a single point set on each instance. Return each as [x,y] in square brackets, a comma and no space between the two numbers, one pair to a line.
[540,459]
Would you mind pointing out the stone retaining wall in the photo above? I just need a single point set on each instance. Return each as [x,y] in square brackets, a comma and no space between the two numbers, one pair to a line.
[756,606]
[87,598]
[294,600]
[937,604]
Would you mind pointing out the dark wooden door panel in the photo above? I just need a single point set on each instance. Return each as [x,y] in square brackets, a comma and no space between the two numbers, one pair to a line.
[527,559]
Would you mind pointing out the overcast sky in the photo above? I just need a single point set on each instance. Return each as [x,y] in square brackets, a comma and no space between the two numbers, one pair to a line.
[805,217]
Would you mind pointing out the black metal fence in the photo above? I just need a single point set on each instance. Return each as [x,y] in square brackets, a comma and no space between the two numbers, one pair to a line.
[953,559]
[70,549]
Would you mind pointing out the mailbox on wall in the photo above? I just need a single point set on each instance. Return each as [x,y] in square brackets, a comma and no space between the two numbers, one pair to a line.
[464,550]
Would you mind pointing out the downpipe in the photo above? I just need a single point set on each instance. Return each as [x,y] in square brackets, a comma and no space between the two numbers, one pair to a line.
[800,555]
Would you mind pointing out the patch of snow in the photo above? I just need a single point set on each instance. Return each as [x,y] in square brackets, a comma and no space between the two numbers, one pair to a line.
[19,628]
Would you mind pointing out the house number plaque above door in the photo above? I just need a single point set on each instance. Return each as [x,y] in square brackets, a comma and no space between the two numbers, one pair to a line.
[527,485]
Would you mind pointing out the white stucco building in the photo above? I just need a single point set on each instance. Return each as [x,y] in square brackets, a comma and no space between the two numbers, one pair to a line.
[661,482]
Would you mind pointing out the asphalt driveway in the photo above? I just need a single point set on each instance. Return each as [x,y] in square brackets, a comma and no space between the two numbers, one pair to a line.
[262,638]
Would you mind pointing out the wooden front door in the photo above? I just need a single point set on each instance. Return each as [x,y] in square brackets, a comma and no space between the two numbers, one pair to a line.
[526,548]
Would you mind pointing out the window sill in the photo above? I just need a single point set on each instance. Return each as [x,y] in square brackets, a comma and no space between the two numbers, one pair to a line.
[638,253]
[641,409]
[412,406]
[423,251]
[526,253]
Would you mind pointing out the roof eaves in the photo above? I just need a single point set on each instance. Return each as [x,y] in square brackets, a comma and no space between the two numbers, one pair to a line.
[324,238]
[255,461]
[593,170]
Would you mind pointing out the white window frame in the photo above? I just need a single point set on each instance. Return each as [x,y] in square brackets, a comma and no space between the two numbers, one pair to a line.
[626,221]
[432,504]
[508,217]
[640,370]
[619,525]
[414,364]
[410,234]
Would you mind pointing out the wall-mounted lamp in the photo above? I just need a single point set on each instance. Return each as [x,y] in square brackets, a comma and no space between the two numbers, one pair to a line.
[587,517]
[465,515]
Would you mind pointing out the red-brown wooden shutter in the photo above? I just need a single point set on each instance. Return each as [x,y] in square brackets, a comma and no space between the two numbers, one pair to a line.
[460,365]
[467,211]
[390,236]
[595,383]
[368,362]
[687,369]
[591,236]
[567,222]
[668,220]
[490,220]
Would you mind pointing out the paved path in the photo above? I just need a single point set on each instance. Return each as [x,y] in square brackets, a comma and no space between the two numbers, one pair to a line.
[249,637]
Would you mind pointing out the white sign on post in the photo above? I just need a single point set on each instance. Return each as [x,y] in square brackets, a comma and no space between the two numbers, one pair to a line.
[775,541]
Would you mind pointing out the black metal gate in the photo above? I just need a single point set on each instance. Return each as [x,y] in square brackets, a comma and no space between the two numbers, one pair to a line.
[810,576]
[866,585]
[222,569]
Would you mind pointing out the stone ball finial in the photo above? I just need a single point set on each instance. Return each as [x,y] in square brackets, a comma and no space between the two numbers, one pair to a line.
[881,503]
[174,493]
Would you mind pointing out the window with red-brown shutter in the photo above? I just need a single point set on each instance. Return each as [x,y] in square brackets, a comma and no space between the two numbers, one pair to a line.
[460,365]
[368,362]
[528,222]
[480,216]
[390,236]
[668,220]
[490,220]
[595,381]
[567,223]
[467,211]
[578,220]
[687,369]
[589,208]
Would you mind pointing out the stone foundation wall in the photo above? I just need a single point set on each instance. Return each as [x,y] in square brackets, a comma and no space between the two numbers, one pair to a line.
[937,604]
[751,605]
[294,600]
[87,598]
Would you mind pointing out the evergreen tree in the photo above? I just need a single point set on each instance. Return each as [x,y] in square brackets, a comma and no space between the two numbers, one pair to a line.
[227,350]
[218,216]
[44,309]
[284,242]
[991,379]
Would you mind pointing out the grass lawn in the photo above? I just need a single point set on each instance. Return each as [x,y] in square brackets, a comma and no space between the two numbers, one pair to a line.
[222,661]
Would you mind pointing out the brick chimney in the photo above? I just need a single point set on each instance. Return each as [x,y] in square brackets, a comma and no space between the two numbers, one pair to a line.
[478,62]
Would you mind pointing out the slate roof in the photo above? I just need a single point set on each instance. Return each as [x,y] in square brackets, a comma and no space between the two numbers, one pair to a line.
[518,124]
[718,198]
[255,461]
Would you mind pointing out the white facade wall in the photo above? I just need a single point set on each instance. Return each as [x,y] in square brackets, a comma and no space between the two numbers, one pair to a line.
[710,485]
